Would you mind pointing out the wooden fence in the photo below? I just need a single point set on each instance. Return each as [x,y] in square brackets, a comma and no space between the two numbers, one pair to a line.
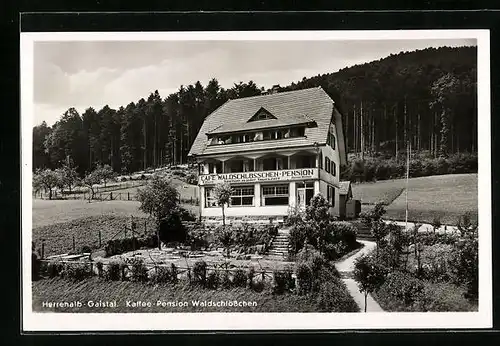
[182,272]
[104,196]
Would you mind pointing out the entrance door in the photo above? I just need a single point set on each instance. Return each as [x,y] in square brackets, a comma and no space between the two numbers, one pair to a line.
[301,197]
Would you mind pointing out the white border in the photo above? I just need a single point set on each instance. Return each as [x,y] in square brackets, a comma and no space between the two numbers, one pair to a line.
[33,321]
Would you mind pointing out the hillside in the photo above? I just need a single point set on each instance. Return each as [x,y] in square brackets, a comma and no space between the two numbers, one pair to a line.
[426,96]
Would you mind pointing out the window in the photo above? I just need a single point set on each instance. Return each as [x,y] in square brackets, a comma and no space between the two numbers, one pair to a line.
[327,164]
[275,195]
[333,170]
[210,201]
[309,192]
[331,140]
[242,195]
[262,114]
[330,195]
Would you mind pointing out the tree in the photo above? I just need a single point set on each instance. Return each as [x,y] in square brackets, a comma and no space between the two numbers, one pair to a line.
[89,181]
[222,194]
[379,231]
[69,174]
[105,173]
[369,275]
[46,179]
[225,236]
[159,199]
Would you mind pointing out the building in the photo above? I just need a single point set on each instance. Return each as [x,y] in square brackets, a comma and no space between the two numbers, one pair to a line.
[277,151]
[345,195]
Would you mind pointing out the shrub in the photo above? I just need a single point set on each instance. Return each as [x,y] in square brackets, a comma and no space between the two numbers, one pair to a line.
[54,269]
[113,272]
[224,280]
[282,281]
[100,272]
[464,266]
[192,179]
[200,273]
[77,271]
[250,276]
[334,297]
[403,287]
[304,278]
[443,297]
[86,249]
[212,280]
[139,271]
[35,266]
[240,278]
[119,246]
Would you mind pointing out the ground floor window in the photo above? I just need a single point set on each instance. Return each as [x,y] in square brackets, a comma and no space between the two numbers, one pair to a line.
[275,194]
[242,195]
[210,201]
[305,192]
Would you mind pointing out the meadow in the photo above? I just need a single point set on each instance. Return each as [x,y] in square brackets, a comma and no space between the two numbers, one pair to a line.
[445,196]
[94,289]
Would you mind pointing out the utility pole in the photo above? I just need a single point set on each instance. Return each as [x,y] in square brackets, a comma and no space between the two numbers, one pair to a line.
[408,150]
[362,135]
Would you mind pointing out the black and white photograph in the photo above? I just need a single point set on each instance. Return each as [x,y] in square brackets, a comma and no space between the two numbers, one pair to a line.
[256,180]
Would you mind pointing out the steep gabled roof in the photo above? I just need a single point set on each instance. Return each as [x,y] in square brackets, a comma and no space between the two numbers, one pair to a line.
[289,108]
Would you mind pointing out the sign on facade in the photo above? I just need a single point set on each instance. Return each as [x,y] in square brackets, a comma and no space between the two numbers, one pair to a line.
[265,176]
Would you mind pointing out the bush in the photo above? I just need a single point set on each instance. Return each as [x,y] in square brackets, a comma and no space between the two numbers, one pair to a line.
[402,287]
[240,278]
[86,249]
[464,266]
[283,281]
[212,280]
[304,278]
[77,271]
[35,266]
[113,272]
[119,246]
[139,271]
[334,297]
[443,297]
[200,273]
[54,269]
[100,271]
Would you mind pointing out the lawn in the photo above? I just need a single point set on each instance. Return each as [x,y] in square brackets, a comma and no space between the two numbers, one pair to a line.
[85,230]
[447,196]
[94,289]
[48,212]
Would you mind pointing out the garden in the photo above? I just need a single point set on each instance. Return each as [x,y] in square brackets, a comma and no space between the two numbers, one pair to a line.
[420,271]
[184,256]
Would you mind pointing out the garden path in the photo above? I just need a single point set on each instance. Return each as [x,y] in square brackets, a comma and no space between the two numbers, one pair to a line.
[346,267]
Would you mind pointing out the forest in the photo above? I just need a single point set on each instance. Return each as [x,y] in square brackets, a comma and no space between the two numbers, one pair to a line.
[425,98]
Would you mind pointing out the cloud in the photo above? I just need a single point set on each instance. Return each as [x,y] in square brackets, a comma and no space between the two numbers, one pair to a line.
[82,74]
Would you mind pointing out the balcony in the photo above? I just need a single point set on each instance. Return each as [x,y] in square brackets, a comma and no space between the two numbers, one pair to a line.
[281,175]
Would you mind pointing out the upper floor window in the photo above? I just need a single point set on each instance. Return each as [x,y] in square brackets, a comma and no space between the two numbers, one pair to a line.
[331,140]
[262,114]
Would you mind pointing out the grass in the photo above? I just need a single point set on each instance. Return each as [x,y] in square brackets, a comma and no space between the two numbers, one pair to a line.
[59,236]
[439,297]
[48,212]
[447,196]
[94,289]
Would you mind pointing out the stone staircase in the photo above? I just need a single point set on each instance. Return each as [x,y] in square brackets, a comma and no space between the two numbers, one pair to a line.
[279,245]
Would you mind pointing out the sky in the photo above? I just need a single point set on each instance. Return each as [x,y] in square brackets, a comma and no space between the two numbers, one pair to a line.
[84,74]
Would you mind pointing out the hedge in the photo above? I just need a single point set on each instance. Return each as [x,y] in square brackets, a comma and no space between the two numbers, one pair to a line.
[420,166]
[119,246]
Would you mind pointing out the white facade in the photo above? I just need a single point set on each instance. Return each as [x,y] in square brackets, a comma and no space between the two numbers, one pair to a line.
[276,152]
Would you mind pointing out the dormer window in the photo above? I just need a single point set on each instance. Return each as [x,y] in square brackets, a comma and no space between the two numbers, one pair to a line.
[262,114]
